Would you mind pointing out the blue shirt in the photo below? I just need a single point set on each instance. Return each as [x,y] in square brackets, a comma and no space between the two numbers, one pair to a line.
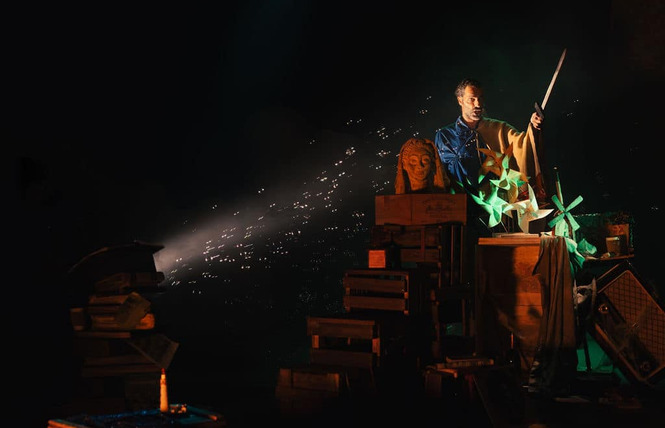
[458,145]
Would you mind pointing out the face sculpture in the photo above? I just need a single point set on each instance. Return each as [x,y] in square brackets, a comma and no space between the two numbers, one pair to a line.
[417,161]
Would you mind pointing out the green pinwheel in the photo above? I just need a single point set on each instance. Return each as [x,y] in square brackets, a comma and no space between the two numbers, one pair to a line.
[510,182]
[491,203]
[569,226]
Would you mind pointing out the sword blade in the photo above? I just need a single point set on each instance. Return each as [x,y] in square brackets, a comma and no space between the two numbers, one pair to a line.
[556,73]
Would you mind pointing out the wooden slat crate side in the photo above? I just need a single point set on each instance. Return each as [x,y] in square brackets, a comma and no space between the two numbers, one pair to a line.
[507,296]
[347,344]
[356,329]
[436,209]
[405,236]
[378,285]
[377,273]
[316,381]
[392,209]
[284,391]
[294,402]
[314,378]
[377,303]
[336,357]
[514,263]
[420,255]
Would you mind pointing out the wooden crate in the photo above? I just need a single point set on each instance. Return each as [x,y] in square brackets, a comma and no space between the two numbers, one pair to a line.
[449,383]
[419,209]
[383,259]
[344,341]
[379,289]
[309,389]
[405,236]
[507,296]
[420,255]
[451,305]
[415,246]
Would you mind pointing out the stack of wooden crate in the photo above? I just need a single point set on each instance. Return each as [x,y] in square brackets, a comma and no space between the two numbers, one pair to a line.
[431,242]
[390,323]
[344,354]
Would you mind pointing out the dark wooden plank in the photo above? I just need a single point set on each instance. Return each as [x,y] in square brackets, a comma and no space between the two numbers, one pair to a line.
[406,236]
[351,328]
[311,378]
[422,255]
[378,303]
[375,284]
[335,357]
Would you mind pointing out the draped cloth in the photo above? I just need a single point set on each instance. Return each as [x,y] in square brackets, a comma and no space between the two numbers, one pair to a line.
[555,361]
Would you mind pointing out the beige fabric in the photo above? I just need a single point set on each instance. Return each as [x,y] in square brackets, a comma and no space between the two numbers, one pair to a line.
[499,135]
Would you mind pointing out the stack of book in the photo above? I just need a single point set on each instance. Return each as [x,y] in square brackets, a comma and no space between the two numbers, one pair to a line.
[115,330]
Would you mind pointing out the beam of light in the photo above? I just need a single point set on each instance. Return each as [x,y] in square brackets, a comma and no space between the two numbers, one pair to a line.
[302,238]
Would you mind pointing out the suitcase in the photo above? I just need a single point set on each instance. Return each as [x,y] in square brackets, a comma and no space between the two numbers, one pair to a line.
[629,324]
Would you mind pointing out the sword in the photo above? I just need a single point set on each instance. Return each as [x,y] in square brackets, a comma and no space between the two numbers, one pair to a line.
[540,107]
[539,180]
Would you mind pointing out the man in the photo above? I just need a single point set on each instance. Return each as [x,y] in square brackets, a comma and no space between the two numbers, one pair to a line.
[458,143]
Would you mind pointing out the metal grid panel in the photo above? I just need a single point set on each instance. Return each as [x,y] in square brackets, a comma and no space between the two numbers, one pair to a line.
[641,312]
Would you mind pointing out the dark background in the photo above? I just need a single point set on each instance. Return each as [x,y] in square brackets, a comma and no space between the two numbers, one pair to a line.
[130,123]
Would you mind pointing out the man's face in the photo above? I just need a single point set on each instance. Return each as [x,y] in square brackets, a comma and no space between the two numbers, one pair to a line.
[418,166]
[472,104]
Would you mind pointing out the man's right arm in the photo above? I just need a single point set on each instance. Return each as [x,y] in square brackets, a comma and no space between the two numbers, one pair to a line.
[536,120]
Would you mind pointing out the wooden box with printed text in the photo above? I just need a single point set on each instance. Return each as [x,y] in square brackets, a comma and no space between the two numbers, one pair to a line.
[420,208]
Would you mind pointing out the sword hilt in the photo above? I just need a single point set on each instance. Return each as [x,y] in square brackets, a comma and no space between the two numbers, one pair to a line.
[539,110]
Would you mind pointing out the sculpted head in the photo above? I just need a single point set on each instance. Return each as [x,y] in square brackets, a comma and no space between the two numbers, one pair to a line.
[417,160]
[419,166]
